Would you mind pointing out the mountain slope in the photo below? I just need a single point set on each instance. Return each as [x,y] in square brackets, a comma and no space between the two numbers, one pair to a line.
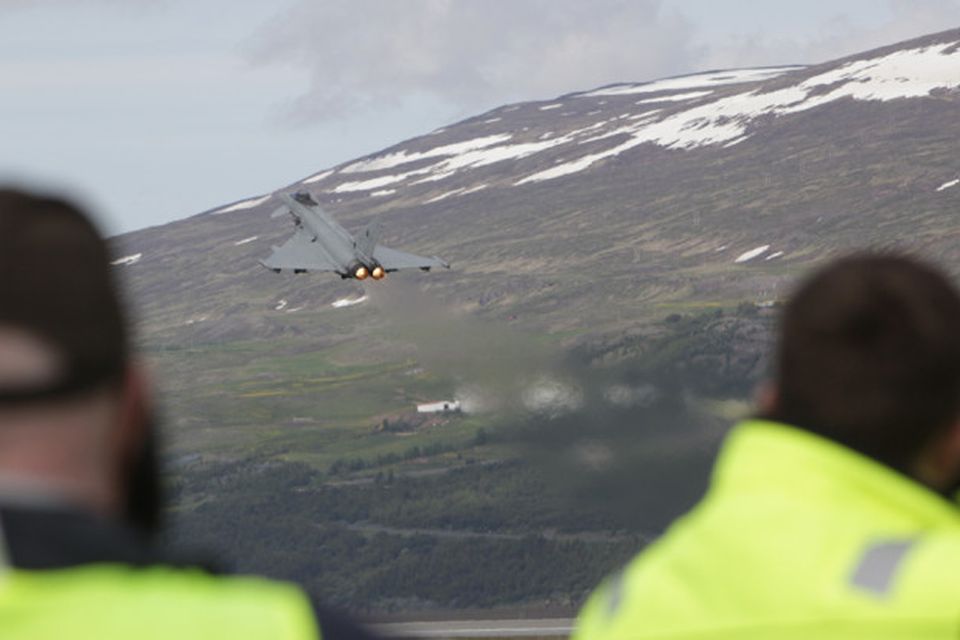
[610,250]
[594,214]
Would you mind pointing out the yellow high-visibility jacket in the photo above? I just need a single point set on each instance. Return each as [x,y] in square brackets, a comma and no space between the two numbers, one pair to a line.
[117,602]
[797,537]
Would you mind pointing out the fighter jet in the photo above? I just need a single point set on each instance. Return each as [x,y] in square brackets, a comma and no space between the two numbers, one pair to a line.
[320,244]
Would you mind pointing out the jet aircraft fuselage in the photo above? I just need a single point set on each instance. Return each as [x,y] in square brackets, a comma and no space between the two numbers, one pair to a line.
[319,243]
[333,240]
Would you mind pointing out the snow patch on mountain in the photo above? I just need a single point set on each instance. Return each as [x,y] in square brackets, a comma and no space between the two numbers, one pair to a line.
[911,73]
[318,177]
[676,97]
[904,74]
[240,243]
[126,261]
[580,164]
[347,302]
[645,114]
[478,157]
[442,196]
[245,204]
[375,183]
[735,142]
[399,158]
[492,155]
[456,192]
[562,169]
[434,178]
[747,256]
[948,185]
[694,81]
[726,120]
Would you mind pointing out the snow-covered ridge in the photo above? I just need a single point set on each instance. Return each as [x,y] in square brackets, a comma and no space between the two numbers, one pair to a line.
[718,108]
[318,177]
[695,81]
[910,73]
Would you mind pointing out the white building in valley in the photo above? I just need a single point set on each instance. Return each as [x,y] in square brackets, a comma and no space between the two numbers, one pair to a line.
[446,406]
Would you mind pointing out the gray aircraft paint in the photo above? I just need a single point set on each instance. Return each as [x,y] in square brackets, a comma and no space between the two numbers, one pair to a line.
[319,243]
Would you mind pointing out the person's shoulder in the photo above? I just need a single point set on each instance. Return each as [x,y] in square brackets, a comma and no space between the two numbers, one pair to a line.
[277,598]
[181,602]
[928,575]
[274,603]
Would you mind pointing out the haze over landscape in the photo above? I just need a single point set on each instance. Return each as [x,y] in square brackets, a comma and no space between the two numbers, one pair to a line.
[626,192]
[618,255]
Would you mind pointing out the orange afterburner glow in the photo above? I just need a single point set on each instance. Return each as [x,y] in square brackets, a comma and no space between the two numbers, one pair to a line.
[361,273]
[378,273]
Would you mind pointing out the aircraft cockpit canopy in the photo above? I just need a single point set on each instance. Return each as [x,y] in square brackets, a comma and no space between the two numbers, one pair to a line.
[304,197]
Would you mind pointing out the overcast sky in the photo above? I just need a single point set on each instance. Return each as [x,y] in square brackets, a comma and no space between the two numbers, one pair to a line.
[154,110]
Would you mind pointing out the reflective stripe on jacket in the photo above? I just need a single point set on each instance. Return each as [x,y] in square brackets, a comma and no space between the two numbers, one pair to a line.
[107,602]
[797,537]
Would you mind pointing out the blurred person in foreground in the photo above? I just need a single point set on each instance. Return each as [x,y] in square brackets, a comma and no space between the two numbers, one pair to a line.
[832,514]
[79,494]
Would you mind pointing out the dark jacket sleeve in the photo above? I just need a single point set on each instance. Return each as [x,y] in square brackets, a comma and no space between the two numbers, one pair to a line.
[335,625]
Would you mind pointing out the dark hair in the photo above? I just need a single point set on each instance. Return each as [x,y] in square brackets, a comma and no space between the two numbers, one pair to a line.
[56,283]
[869,356]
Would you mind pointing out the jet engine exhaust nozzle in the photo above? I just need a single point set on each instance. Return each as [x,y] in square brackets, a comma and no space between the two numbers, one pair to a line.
[378,273]
[361,273]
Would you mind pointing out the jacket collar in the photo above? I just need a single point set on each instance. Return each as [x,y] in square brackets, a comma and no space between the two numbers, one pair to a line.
[41,537]
[762,457]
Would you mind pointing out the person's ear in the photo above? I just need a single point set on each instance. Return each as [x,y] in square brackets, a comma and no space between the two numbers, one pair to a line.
[133,417]
[766,398]
[939,465]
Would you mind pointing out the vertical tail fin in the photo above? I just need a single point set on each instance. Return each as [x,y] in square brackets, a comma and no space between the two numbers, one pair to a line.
[367,241]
